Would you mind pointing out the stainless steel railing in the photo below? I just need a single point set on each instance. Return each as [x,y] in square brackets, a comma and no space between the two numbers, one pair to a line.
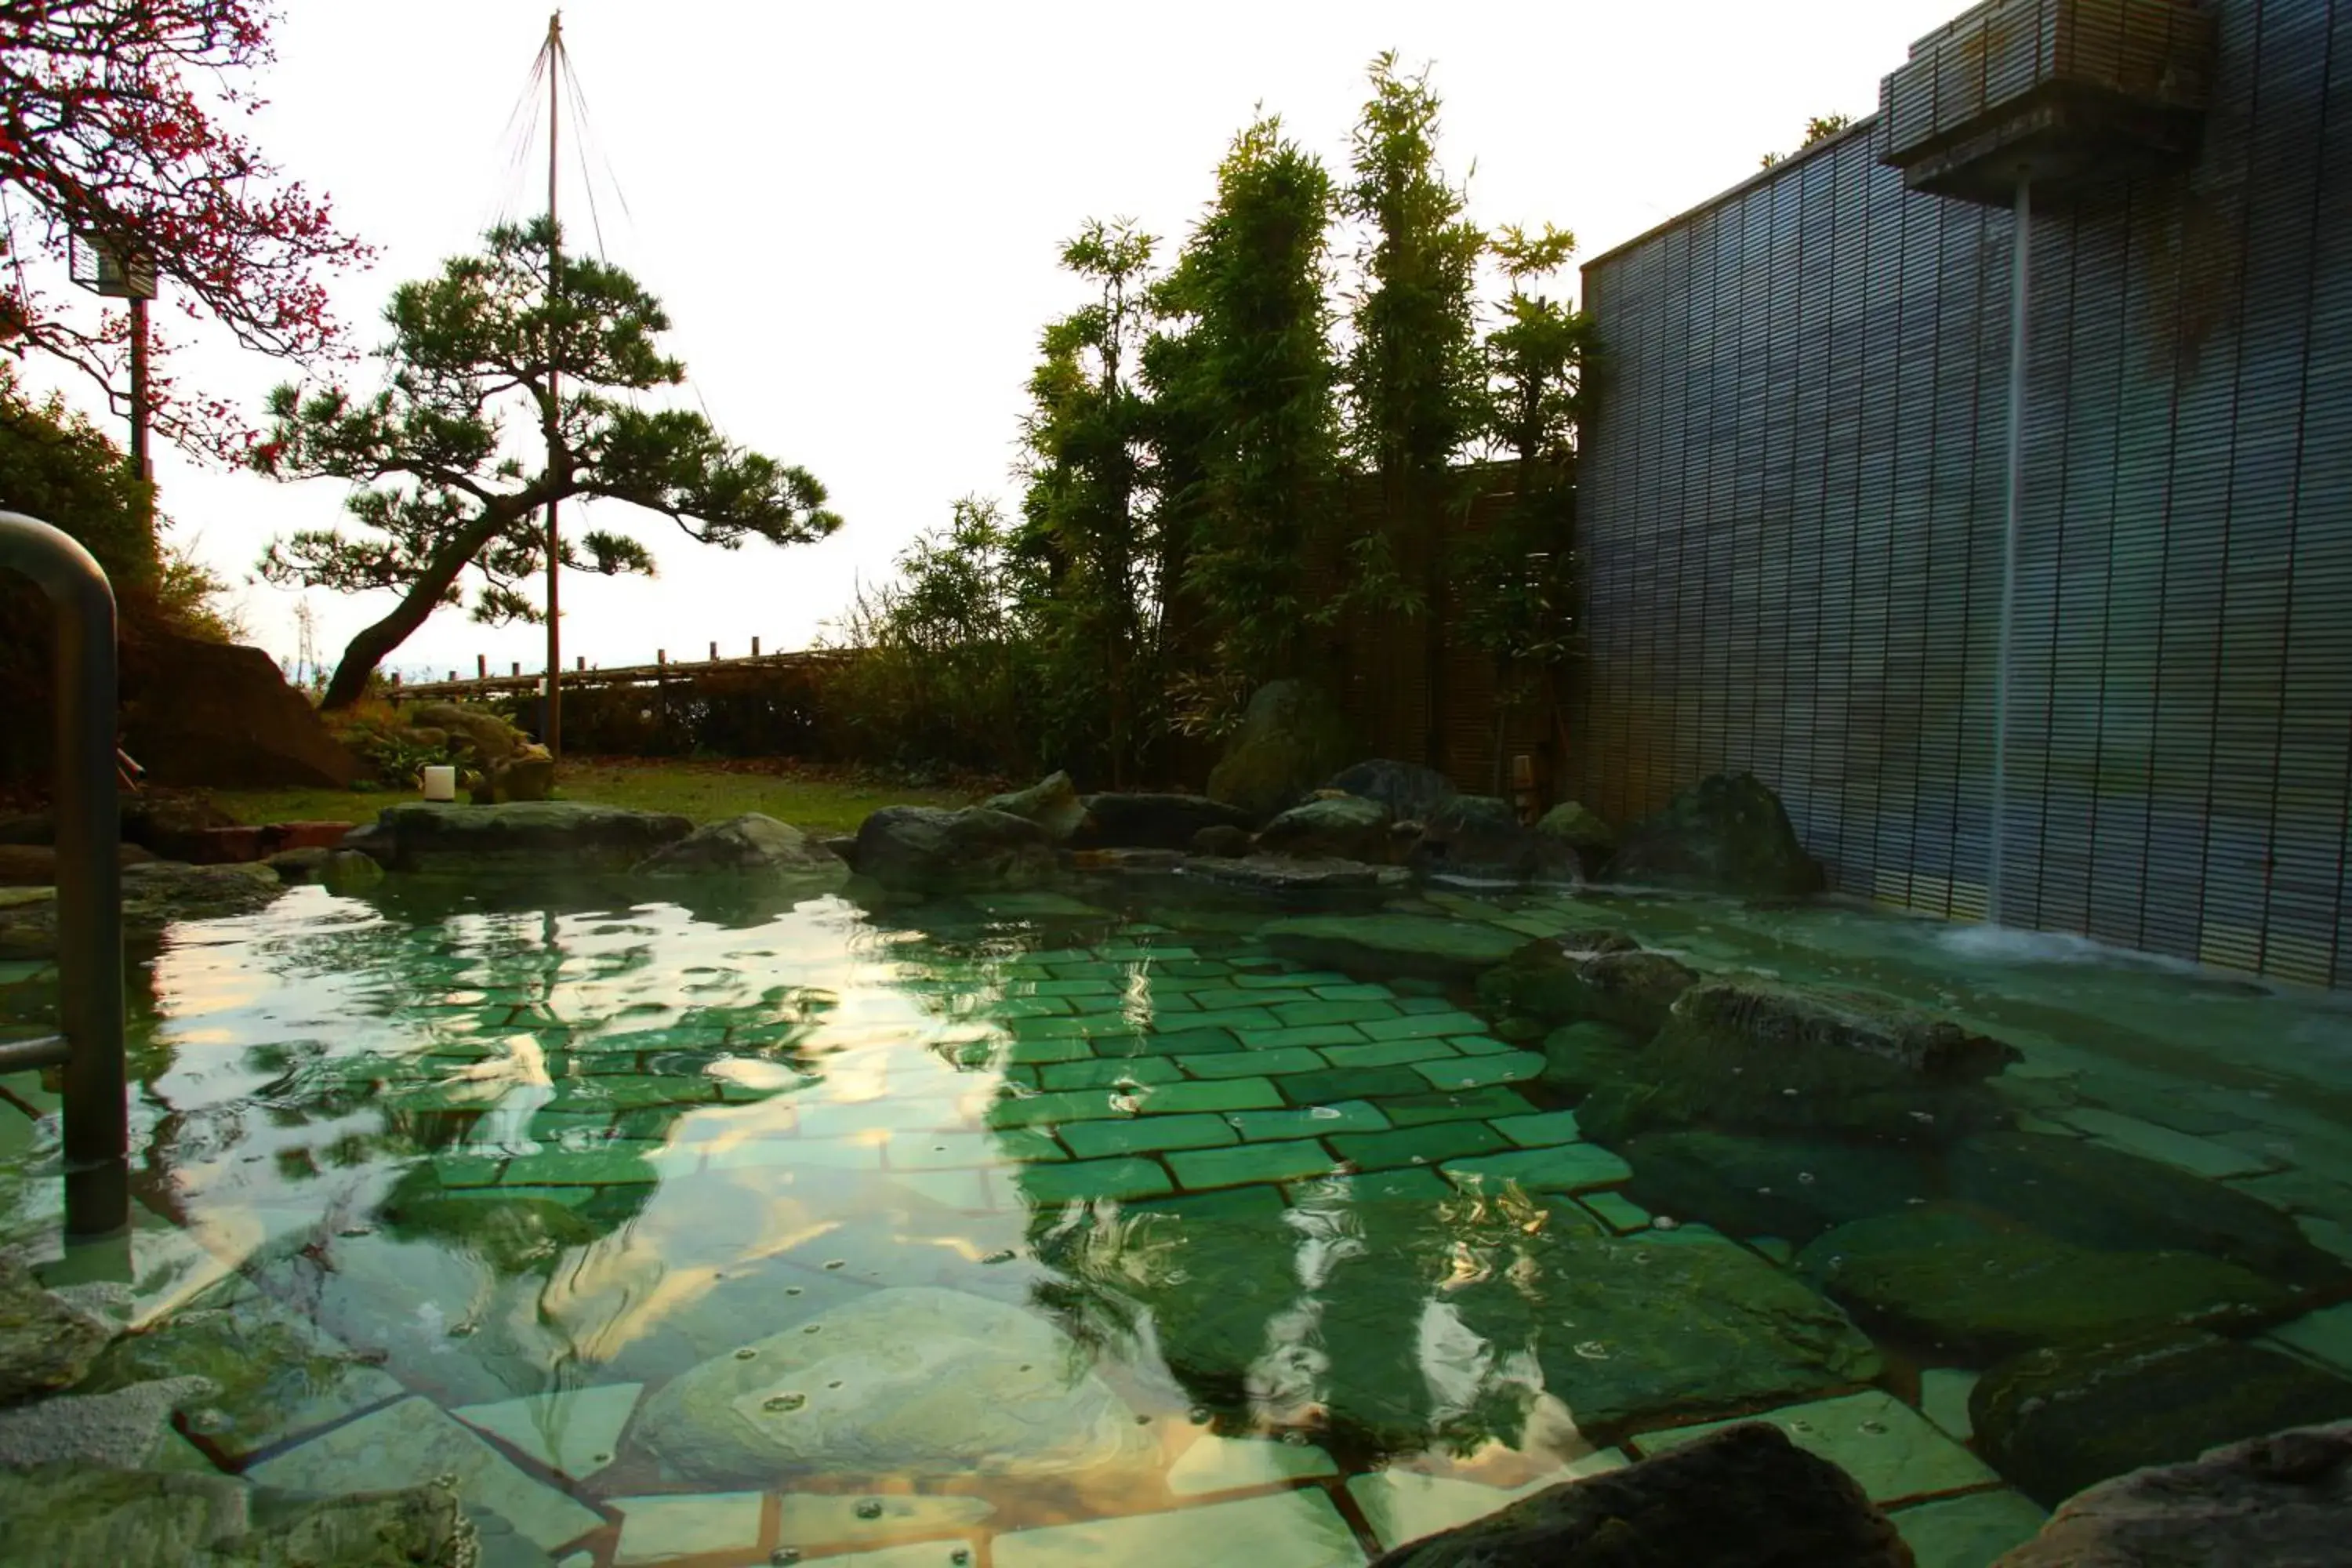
[89,880]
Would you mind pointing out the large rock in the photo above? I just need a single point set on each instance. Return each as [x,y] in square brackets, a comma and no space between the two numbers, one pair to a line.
[1752,1055]
[337,870]
[45,1342]
[1341,827]
[1596,975]
[528,774]
[1480,838]
[176,825]
[923,849]
[1291,739]
[1727,833]
[1379,945]
[1594,841]
[2056,1421]
[1965,1281]
[120,1429]
[749,845]
[526,835]
[1742,1498]
[36,865]
[1155,821]
[1285,874]
[915,1382]
[1052,804]
[69,1514]
[199,713]
[1790,1188]
[1411,792]
[2279,1501]
[1223,842]
[2092,1196]
[482,735]
[156,896]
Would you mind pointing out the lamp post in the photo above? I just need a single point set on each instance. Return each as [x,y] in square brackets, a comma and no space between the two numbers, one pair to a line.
[117,270]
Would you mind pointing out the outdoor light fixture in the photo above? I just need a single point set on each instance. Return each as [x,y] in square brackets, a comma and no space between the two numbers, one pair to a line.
[111,267]
[441,783]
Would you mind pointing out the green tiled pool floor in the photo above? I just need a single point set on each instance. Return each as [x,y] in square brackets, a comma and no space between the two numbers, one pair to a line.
[517,1179]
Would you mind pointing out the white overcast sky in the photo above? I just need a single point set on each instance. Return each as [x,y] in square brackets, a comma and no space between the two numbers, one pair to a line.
[852,214]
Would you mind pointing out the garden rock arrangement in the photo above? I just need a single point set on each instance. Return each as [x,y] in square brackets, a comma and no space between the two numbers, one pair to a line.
[1743,1498]
[922,849]
[1585,832]
[1156,821]
[1291,739]
[1480,838]
[1600,974]
[2278,1501]
[1729,834]
[65,1513]
[571,836]
[154,895]
[1052,804]
[1337,827]
[749,845]
[1411,793]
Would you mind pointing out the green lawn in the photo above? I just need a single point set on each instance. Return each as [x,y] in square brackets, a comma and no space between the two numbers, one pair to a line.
[703,791]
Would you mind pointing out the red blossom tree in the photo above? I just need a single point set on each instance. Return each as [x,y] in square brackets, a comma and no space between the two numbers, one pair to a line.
[103,130]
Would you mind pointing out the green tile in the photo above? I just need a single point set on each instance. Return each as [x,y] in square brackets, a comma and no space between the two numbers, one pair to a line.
[1489,1104]
[1353,991]
[1235,996]
[1065,1105]
[1618,1212]
[1479,1072]
[1187,1042]
[1230,1094]
[1406,1184]
[1309,1121]
[1429,1145]
[465,1170]
[1246,1063]
[1336,1084]
[1030,1007]
[1097,987]
[1038,1053]
[1172,1002]
[1296,1014]
[952,1151]
[1968,1531]
[1884,1445]
[1090,969]
[1218,1017]
[1062,1027]
[1137,952]
[1387,1053]
[1480,1045]
[1084,1180]
[1146,1135]
[1414,1027]
[1250,1162]
[631,1093]
[1108,1072]
[1290,980]
[1566,1168]
[1541,1130]
[1304,1034]
[616,1164]
[1417,996]
[1193,969]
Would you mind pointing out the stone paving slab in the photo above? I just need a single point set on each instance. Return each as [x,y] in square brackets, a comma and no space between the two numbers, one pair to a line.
[687,1524]
[1479,1045]
[1406,1184]
[1971,1531]
[408,1444]
[1308,1014]
[1944,1399]
[1085,1179]
[1618,1212]
[2324,1336]
[1060,1106]
[1895,1453]
[1405,1505]
[574,1432]
[1215,1464]
[830,1519]
[1250,1162]
[1265,997]
[1566,1168]
[1289,1529]
[1236,1019]
[885,1113]
[1308,1122]
[1148,1135]
[1353,990]
[1335,1084]
[1421,1025]
[2199,1156]
[1290,980]
[1189,1041]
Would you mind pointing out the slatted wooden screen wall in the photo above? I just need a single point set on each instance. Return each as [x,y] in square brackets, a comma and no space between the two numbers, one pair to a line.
[1792,519]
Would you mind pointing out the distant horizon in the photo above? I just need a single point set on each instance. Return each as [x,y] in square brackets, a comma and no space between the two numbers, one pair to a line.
[939,170]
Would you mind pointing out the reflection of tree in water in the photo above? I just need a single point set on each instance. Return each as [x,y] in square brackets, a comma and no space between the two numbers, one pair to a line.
[1370,1323]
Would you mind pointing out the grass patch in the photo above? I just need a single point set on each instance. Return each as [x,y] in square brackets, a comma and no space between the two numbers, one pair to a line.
[821,801]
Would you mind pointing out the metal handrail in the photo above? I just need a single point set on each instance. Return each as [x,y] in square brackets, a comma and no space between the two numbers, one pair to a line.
[89,878]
